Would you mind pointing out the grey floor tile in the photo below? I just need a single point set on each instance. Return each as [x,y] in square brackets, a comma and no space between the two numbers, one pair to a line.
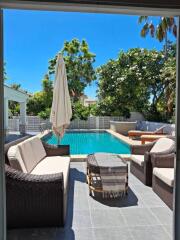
[134,181]
[149,233]
[142,189]
[164,214]
[84,234]
[75,234]
[98,218]
[112,234]
[80,203]
[152,200]
[129,200]
[139,217]
[32,234]
[104,218]
[78,219]
[169,229]
[95,203]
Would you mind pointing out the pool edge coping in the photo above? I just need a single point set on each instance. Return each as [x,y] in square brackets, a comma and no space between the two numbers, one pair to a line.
[83,157]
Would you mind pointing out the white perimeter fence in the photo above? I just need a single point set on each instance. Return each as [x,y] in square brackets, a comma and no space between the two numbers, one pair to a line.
[33,123]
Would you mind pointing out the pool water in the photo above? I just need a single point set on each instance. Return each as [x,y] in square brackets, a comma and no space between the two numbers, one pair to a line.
[91,142]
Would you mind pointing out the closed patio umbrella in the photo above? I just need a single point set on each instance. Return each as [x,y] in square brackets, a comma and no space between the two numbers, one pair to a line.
[61,111]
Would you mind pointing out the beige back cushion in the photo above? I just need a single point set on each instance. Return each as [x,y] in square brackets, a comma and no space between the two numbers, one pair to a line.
[27,155]
[32,152]
[163,144]
[15,159]
[38,149]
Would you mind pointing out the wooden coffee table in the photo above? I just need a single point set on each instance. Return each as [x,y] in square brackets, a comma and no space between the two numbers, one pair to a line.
[93,175]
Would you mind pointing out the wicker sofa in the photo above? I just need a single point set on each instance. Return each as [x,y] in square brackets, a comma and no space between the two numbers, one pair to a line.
[36,183]
[141,165]
[163,177]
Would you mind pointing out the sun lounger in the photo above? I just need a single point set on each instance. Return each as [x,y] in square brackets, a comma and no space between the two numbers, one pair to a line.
[135,133]
[151,138]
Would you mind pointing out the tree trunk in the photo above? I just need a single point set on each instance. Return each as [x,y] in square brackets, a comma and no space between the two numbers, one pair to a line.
[166,45]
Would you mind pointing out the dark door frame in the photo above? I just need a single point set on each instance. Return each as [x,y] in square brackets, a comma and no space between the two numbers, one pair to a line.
[143,7]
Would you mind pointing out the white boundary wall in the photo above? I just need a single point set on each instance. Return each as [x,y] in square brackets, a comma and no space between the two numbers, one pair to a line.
[33,123]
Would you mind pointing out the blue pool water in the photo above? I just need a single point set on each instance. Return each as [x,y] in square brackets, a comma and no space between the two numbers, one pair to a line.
[91,142]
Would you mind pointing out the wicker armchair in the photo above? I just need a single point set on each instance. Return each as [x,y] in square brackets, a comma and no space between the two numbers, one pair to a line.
[35,200]
[142,172]
[143,169]
[163,177]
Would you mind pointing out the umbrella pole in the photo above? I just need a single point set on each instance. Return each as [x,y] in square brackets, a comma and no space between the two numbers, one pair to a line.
[58,141]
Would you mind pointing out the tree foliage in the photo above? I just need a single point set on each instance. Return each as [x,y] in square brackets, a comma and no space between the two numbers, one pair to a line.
[135,81]
[79,66]
[165,25]
[40,103]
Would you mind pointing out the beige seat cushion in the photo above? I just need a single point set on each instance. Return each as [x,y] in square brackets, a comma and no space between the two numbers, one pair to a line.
[54,164]
[163,144]
[165,174]
[15,159]
[139,159]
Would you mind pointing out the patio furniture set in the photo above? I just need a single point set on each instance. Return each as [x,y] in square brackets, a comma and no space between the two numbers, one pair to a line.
[36,183]
[37,178]
[153,164]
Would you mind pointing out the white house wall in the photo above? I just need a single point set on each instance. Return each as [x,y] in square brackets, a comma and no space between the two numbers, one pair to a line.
[14,95]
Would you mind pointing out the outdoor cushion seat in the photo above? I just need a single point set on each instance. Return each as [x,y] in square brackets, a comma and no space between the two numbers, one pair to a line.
[139,159]
[165,174]
[142,168]
[38,177]
[53,165]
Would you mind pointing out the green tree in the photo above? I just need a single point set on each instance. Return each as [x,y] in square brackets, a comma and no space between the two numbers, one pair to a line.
[165,25]
[133,82]
[168,74]
[79,66]
[80,111]
[40,102]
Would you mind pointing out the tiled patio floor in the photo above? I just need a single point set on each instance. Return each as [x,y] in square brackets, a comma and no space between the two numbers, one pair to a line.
[139,216]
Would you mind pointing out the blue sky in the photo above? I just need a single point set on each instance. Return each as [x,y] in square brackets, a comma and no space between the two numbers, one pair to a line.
[31,38]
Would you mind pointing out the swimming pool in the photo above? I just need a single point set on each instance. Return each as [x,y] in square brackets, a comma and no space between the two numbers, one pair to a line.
[90,142]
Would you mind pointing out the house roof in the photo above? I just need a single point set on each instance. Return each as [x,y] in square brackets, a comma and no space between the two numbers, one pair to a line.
[15,95]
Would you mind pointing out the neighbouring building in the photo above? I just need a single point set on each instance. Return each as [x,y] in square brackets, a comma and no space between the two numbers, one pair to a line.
[19,96]
[87,101]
